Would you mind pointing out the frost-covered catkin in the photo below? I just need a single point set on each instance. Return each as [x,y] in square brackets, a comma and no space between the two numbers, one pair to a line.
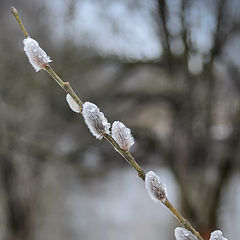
[95,120]
[72,103]
[36,55]
[184,234]
[122,135]
[156,189]
[217,235]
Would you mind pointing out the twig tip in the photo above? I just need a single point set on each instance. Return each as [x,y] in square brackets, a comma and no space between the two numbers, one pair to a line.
[13,10]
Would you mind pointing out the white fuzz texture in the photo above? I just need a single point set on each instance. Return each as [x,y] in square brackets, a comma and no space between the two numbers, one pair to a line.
[95,120]
[72,103]
[36,55]
[156,189]
[184,234]
[217,235]
[122,135]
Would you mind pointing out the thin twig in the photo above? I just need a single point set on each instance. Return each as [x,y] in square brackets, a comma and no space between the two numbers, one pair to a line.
[64,85]
[125,154]
[15,14]
[185,223]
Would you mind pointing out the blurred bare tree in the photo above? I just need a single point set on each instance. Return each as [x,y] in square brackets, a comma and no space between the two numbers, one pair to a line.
[182,101]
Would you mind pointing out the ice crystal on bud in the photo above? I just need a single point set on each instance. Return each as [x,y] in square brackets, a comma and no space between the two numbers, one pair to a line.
[184,234]
[217,235]
[122,135]
[72,103]
[36,55]
[155,188]
[95,120]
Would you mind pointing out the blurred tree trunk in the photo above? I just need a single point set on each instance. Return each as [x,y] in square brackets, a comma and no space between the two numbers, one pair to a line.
[18,207]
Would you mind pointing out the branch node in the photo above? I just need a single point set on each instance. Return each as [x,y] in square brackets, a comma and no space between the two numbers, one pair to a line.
[66,85]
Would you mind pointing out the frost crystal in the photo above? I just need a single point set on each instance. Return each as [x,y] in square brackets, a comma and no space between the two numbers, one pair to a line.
[72,103]
[184,234]
[122,135]
[36,56]
[156,189]
[95,120]
[217,235]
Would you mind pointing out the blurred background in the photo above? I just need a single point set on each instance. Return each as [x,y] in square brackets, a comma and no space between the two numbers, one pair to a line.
[169,70]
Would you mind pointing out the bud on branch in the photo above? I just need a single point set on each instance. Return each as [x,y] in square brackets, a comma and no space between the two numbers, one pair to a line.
[95,120]
[36,55]
[184,234]
[217,235]
[72,103]
[122,135]
[156,189]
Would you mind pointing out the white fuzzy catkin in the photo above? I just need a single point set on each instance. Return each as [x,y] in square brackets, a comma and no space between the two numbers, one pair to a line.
[95,120]
[217,235]
[184,234]
[122,135]
[72,103]
[156,189]
[36,55]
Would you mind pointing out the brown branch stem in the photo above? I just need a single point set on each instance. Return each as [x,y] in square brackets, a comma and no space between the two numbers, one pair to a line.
[64,85]
[15,14]
[127,156]
[181,219]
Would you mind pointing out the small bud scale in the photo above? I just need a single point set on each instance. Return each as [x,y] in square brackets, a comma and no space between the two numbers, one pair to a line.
[72,103]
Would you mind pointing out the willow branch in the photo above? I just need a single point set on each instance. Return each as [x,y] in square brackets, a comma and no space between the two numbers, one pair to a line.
[124,153]
[15,14]
[127,156]
[185,223]
[64,85]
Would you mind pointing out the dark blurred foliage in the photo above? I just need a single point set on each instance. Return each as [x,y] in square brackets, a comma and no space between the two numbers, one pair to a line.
[183,106]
